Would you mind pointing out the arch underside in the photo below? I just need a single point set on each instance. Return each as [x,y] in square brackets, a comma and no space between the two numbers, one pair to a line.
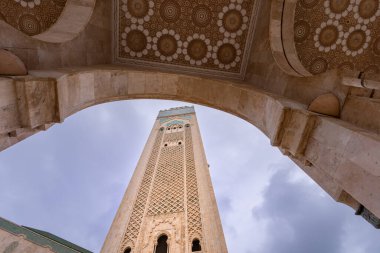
[311,37]
[341,158]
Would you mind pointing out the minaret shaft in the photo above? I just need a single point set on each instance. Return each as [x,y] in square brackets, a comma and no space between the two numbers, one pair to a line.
[169,205]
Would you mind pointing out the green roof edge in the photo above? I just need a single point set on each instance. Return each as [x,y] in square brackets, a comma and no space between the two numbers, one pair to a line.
[41,238]
[58,240]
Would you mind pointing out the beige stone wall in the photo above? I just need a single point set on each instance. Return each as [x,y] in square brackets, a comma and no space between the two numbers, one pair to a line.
[19,244]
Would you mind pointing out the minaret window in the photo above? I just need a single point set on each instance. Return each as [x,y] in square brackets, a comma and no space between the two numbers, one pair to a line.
[196,245]
[128,250]
[162,245]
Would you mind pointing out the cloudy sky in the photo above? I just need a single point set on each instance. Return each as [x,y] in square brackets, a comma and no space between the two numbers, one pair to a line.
[70,179]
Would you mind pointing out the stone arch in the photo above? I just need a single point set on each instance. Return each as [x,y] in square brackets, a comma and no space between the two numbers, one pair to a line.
[54,21]
[341,158]
[282,38]
[11,64]
[311,37]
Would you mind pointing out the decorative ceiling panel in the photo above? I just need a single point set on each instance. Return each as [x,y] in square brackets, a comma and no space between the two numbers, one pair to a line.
[210,37]
[341,34]
[31,17]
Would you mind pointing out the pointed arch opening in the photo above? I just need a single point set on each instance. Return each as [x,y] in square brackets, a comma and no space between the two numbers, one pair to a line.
[162,244]
[196,246]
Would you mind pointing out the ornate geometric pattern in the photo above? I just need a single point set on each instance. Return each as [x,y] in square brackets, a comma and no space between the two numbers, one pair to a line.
[133,228]
[193,209]
[342,34]
[173,137]
[31,17]
[167,194]
[170,173]
[197,35]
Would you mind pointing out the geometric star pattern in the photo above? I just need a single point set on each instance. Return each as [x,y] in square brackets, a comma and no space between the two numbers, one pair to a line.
[342,34]
[195,35]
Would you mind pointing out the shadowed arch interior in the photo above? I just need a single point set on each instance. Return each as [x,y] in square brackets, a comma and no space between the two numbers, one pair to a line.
[162,245]
[196,245]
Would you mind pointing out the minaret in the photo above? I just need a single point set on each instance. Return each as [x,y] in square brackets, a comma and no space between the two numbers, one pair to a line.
[169,205]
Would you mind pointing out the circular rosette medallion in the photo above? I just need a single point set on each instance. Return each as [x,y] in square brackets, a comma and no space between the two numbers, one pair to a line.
[338,8]
[328,36]
[201,15]
[167,45]
[170,11]
[28,3]
[138,11]
[366,11]
[29,24]
[318,66]
[301,31]
[136,41]
[226,54]
[356,40]
[197,49]
[233,19]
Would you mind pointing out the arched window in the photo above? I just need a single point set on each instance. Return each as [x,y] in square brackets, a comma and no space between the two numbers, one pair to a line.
[162,245]
[196,245]
[128,250]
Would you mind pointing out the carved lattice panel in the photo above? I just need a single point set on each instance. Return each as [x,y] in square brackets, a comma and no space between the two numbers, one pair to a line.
[178,136]
[193,210]
[168,188]
[134,224]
